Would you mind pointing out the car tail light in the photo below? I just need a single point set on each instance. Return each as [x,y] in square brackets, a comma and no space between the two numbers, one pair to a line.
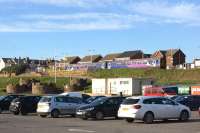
[137,106]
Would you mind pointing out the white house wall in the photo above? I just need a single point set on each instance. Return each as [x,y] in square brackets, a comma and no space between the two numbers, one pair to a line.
[99,86]
[117,85]
[2,64]
[197,63]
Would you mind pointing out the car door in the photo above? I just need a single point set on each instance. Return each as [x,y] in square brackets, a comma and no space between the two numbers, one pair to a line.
[196,102]
[74,103]
[117,103]
[172,109]
[6,102]
[61,104]
[34,103]
[158,108]
[108,107]
[27,104]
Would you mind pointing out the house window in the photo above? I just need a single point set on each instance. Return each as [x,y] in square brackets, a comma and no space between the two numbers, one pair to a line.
[124,82]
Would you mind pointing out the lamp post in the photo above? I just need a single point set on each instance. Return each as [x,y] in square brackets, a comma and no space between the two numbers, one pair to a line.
[55,70]
[91,51]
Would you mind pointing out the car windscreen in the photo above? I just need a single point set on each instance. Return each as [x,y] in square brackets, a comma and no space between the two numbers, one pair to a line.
[45,99]
[174,97]
[99,101]
[2,97]
[130,101]
[181,98]
[92,99]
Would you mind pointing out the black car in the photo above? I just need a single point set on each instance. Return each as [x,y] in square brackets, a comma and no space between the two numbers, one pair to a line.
[193,102]
[100,108]
[5,102]
[24,105]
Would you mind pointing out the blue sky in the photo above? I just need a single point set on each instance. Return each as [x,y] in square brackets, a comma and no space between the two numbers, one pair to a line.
[44,28]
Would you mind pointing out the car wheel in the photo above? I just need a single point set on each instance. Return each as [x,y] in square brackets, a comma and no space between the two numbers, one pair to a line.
[129,120]
[55,113]
[99,116]
[84,118]
[43,116]
[184,116]
[23,112]
[148,118]
[116,117]
[1,110]
[73,116]
[16,113]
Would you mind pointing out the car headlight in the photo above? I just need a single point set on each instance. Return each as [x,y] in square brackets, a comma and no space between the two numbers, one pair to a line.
[90,109]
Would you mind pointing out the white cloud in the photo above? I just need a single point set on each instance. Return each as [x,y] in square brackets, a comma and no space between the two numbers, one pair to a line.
[187,13]
[71,22]
[129,14]
[86,16]
[76,3]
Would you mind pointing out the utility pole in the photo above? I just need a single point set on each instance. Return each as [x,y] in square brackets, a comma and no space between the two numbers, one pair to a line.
[91,58]
[55,69]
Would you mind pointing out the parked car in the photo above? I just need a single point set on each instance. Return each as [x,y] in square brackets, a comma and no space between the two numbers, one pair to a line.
[161,91]
[199,111]
[5,102]
[100,108]
[58,105]
[149,109]
[24,105]
[76,94]
[93,98]
[193,102]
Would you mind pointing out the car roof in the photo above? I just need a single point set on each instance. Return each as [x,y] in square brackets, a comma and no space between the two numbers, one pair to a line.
[144,97]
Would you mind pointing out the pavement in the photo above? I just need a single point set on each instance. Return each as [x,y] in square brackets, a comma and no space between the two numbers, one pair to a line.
[34,124]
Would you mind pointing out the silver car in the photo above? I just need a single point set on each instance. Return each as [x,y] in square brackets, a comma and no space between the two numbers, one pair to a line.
[56,106]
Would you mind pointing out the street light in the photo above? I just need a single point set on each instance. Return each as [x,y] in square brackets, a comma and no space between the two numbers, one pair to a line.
[91,51]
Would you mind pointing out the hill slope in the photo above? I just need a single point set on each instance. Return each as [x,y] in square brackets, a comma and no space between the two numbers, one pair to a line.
[161,76]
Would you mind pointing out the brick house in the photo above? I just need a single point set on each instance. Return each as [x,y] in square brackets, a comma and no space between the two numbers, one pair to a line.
[71,60]
[174,57]
[170,58]
[110,57]
[130,55]
[160,54]
[90,59]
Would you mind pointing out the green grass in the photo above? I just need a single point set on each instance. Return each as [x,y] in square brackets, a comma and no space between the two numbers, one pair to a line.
[162,77]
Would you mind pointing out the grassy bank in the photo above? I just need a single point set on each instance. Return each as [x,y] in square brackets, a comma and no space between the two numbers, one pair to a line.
[161,76]
[15,80]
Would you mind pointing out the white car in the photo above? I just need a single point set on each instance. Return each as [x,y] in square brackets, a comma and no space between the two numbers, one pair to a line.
[58,105]
[149,109]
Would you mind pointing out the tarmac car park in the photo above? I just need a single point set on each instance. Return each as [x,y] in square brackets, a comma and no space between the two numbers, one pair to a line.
[107,122]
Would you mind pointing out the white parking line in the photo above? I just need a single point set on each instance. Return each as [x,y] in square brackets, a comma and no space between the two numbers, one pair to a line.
[81,131]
